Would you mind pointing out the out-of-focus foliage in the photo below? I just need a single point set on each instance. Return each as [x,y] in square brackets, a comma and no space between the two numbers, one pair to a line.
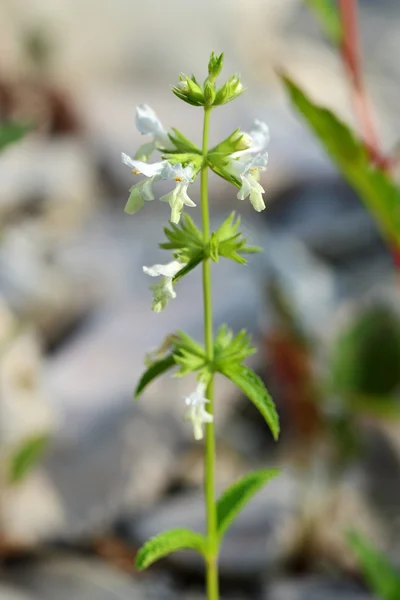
[12,132]
[377,190]
[26,457]
[365,367]
[380,575]
[326,12]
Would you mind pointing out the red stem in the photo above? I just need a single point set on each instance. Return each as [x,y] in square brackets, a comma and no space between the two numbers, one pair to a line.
[350,49]
[351,57]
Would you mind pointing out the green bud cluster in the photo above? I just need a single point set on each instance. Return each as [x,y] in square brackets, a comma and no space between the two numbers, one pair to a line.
[191,91]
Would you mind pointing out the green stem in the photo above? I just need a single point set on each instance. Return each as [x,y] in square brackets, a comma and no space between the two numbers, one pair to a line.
[209,471]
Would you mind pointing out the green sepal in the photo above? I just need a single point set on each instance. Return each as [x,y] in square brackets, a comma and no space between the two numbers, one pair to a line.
[230,243]
[167,542]
[230,90]
[213,247]
[235,142]
[185,239]
[209,93]
[26,456]
[182,143]
[188,354]
[252,386]
[12,132]
[326,12]
[237,495]
[156,369]
[379,192]
[215,65]
[230,349]
[185,159]
[189,91]
[381,576]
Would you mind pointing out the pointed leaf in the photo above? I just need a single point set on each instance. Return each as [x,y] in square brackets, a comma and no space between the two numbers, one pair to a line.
[253,387]
[167,542]
[235,497]
[155,370]
[326,12]
[376,189]
[27,456]
[381,576]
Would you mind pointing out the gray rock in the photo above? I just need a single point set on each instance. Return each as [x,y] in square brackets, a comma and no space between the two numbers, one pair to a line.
[67,577]
[251,544]
[8,592]
[315,588]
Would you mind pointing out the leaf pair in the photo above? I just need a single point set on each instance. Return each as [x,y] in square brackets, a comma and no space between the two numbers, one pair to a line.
[228,507]
[229,352]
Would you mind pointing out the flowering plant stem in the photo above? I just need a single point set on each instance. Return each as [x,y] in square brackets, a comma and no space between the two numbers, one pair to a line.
[209,471]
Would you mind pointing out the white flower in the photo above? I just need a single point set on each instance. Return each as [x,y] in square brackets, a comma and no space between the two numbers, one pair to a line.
[257,139]
[196,411]
[147,123]
[163,290]
[143,190]
[178,197]
[249,173]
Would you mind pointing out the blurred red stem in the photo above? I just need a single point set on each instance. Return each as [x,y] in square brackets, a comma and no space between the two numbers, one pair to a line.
[350,49]
[351,56]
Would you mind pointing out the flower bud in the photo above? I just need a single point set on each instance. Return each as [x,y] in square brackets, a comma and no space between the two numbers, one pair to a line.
[209,93]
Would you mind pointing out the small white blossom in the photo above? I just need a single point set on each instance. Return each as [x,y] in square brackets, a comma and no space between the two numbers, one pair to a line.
[163,290]
[196,411]
[147,123]
[257,139]
[178,197]
[249,174]
[143,191]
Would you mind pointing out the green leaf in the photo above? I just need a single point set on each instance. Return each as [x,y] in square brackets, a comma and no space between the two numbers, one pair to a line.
[237,495]
[182,143]
[252,386]
[376,189]
[167,542]
[12,132]
[327,14]
[27,456]
[155,370]
[366,356]
[380,575]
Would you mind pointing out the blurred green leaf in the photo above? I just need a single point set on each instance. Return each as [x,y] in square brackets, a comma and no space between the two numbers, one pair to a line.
[252,386]
[381,576]
[167,542]
[27,456]
[238,494]
[377,190]
[155,370]
[12,132]
[326,12]
[365,364]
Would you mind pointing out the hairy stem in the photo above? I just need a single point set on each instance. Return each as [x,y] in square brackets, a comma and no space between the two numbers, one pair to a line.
[209,471]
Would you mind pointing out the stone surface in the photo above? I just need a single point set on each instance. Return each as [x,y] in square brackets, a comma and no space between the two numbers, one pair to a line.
[67,577]
[315,588]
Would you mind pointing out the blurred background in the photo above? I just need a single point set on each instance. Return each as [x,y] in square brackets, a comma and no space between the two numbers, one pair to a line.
[87,474]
